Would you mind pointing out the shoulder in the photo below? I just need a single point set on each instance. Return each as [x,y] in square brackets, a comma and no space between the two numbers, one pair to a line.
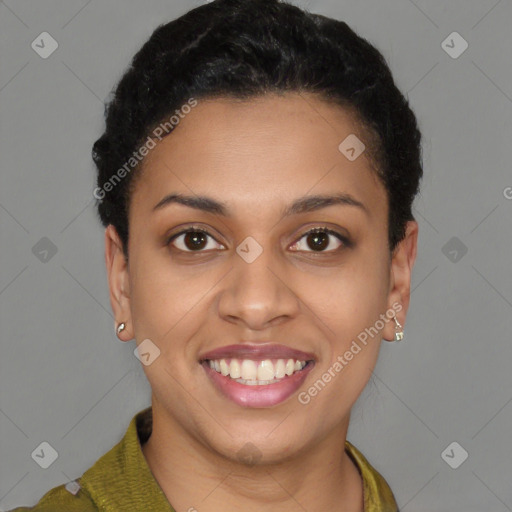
[66,498]
[118,479]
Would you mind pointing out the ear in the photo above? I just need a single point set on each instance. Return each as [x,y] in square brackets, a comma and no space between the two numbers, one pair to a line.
[118,282]
[402,262]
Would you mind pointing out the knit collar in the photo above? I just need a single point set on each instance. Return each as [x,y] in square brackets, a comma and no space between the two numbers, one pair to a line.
[121,479]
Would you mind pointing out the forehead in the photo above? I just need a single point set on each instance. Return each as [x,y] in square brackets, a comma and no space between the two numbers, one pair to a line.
[267,149]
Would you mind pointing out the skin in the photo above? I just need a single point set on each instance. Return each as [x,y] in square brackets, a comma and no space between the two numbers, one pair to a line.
[257,157]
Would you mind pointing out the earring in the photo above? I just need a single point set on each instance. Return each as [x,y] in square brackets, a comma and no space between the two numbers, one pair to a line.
[120,327]
[399,333]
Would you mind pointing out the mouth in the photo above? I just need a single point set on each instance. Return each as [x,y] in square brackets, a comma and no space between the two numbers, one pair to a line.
[257,376]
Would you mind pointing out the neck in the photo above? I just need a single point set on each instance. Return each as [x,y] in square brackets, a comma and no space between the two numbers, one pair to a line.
[193,476]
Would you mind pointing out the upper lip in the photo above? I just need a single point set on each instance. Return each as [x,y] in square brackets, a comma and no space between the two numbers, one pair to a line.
[259,351]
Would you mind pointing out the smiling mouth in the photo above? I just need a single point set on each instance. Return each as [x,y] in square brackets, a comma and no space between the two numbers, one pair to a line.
[251,372]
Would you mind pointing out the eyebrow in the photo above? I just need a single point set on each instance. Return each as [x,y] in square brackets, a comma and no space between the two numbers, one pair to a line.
[302,205]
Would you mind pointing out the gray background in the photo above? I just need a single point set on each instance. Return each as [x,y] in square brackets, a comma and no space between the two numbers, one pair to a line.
[67,380]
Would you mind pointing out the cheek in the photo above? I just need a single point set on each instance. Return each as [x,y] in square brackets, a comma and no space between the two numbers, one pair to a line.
[166,301]
[349,307]
[350,297]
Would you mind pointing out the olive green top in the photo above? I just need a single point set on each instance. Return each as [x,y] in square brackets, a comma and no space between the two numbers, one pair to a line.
[121,481]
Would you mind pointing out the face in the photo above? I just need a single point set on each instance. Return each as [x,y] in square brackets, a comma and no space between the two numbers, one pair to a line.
[256,275]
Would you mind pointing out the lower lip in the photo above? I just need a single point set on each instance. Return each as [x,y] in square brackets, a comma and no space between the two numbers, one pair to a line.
[258,396]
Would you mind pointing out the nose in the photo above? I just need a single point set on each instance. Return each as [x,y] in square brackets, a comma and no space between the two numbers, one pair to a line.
[257,294]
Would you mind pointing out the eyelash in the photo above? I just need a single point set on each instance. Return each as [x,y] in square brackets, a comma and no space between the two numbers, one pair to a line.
[193,229]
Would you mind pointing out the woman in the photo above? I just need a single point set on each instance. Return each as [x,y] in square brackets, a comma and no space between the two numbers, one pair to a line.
[255,179]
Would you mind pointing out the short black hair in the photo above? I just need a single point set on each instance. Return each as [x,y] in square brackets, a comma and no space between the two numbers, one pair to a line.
[242,49]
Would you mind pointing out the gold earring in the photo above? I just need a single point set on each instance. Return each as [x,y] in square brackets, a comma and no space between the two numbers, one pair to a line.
[399,333]
[120,327]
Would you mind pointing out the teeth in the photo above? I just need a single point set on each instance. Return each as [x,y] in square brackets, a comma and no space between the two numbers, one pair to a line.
[266,370]
[224,368]
[249,369]
[256,382]
[234,369]
[280,369]
[253,373]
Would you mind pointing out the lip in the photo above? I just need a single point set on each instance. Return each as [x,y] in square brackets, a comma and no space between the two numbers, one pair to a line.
[257,352]
[257,396]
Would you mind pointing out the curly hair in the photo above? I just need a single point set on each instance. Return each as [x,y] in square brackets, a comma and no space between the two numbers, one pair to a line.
[247,48]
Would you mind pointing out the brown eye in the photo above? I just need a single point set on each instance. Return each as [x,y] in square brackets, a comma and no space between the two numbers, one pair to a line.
[193,240]
[319,239]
